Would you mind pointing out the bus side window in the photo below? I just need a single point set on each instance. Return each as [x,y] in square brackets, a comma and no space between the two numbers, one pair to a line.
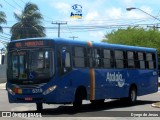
[79,57]
[141,60]
[107,61]
[90,57]
[131,59]
[65,60]
[150,60]
[119,59]
[97,58]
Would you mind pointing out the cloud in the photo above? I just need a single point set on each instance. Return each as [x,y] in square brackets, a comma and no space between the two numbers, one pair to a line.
[18,11]
[97,35]
[92,15]
[138,14]
[62,7]
[114,13]
[146,9]
[120,13]
[103,13]
[128,2]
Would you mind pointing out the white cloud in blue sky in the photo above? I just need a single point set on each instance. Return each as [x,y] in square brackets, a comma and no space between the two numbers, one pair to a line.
[62,7]
[95,12]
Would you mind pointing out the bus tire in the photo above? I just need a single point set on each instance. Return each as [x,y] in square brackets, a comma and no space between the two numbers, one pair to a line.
[79,96]
[39,106]
[132,95]
[77,103]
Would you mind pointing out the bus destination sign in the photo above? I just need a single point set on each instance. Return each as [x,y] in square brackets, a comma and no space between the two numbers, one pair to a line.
[29,44]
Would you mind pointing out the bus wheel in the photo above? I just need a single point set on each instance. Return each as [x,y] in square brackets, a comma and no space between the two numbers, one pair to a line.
[39,106]
[132,96]
[79,96]
[77,103]
[78,100]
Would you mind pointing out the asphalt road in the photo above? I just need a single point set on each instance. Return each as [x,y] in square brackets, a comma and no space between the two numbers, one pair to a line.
[111,108]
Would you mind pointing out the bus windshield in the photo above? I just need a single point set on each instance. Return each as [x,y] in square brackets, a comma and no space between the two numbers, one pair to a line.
[28,66]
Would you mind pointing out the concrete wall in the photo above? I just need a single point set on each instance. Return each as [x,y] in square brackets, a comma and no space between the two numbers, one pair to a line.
[3,77]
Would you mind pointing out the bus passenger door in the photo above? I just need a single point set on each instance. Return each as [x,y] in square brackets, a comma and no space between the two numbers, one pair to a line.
[64,60]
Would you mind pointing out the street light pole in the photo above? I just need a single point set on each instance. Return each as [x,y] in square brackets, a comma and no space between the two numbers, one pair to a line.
[132,8]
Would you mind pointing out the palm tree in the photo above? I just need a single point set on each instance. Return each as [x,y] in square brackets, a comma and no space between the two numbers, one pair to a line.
[2,19]
[29,23]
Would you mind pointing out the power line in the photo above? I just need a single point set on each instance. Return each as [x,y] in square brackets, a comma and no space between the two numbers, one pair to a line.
[4,37]
[6,34]
[59,24]
[23,1]
[17,4]
[73,37]
[21,7]
[88,26]
[4,40]
[11,5]
[69,30]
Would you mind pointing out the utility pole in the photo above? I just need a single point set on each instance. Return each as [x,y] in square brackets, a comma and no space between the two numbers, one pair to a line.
[59,24]
[73,37]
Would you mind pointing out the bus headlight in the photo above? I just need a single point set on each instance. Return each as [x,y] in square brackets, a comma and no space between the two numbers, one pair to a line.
[11,91]
[49,90]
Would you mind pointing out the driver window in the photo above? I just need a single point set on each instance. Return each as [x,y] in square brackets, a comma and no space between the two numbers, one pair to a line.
[40,60]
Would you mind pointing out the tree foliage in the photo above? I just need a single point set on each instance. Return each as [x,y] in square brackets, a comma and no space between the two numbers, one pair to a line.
[135,37]
[2,19]
[29,23]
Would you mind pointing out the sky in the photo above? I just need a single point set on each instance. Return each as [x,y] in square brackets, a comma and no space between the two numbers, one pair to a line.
[99,17]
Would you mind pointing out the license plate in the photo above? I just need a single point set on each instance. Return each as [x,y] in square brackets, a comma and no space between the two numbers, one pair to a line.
[28,98]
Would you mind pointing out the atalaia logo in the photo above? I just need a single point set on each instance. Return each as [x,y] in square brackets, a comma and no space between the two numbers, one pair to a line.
[116,77]
[76,11]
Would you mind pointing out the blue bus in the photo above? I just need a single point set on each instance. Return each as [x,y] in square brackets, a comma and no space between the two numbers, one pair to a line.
[61,71]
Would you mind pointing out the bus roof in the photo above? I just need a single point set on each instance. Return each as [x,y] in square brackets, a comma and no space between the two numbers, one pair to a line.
[104,45]
[93,44]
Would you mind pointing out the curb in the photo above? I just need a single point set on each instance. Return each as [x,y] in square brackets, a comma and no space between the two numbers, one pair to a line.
[3,86]
[156,105]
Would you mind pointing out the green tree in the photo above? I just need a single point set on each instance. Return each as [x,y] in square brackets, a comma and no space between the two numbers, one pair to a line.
[2,19]
[29,23]
[135,37]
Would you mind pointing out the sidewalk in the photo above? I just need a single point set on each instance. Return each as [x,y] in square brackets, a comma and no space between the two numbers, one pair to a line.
[3,86]
[157,105]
